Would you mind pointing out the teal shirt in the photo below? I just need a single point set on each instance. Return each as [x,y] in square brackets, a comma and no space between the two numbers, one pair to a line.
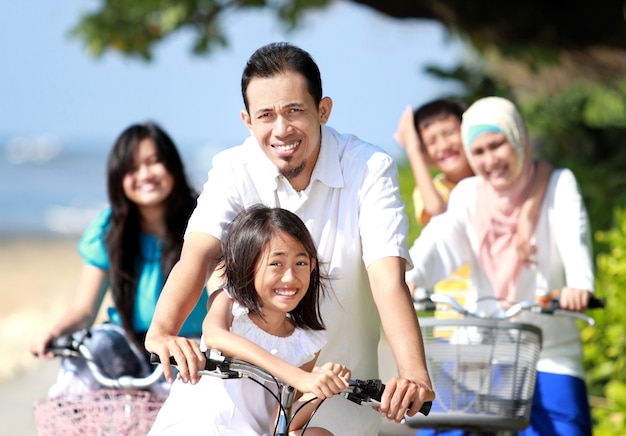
[92,249]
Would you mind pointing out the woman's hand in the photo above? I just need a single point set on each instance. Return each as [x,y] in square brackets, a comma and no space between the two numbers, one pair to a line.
[574,299]
[39,347]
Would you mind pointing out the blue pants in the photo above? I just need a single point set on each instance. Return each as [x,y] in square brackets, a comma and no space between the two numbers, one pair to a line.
[560,408]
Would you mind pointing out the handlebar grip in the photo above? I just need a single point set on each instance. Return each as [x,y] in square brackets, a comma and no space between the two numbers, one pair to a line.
[425,305]
[596,303]
[593,303]
[209,365]
[155,359]
[425,409]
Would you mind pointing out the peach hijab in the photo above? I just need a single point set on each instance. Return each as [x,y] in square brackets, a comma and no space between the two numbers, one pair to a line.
[497,211]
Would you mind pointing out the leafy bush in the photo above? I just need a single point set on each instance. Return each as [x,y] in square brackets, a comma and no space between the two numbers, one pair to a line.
[405,178]
[573,129]
[605,342]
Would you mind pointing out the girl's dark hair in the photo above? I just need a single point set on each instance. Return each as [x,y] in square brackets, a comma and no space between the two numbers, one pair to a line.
[247,239]
[277,58]
[122,240]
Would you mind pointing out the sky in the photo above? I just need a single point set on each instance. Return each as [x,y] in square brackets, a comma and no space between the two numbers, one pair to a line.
[372,67]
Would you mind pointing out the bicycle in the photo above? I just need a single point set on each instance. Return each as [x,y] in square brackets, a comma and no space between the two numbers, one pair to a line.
[361,392]
[123,406]
[483,367]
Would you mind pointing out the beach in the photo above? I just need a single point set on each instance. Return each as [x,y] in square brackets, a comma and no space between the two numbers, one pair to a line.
[38,278]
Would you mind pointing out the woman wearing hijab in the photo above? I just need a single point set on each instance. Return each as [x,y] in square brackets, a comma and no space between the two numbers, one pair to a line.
[480,227]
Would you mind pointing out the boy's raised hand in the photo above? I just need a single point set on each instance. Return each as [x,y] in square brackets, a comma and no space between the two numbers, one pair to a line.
[406,135]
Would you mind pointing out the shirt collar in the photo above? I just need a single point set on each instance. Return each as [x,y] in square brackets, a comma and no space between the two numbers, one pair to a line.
[328,167]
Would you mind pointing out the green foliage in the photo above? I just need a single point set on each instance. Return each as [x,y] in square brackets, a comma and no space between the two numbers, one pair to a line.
[583,127]
[534,30]
[605,361]
[475,83]
[134,28]
[291,11]
[407,184]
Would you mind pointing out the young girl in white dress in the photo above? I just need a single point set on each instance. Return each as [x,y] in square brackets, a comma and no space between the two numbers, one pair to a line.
[268,314]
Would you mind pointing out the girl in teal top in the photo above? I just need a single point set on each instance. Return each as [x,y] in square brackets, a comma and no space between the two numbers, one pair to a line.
[92,248]
[129,249]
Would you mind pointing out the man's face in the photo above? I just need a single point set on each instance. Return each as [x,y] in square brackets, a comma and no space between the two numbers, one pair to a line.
[286,122]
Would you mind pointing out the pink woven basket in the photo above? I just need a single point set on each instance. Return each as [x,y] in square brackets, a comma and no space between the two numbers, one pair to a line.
[103,412]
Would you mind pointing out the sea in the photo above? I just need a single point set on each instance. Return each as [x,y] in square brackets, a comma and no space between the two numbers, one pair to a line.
[54,187]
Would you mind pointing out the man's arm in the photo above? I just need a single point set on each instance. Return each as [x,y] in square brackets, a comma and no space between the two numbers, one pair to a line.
[181,292]
[402,329]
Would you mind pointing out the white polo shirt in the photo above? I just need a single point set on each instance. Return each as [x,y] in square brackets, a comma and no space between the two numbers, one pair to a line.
[356,216]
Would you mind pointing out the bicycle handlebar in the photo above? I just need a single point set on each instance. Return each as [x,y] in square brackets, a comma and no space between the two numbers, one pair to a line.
[551,307]
[70,346]
[362,392]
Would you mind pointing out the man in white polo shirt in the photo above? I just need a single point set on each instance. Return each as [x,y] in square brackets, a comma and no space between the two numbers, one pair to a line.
[347,193]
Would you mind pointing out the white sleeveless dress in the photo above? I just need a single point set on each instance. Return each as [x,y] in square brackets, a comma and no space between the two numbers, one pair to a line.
[237,407]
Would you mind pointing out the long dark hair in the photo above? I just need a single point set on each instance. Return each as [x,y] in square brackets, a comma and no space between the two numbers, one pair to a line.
[122,240]
[248,237]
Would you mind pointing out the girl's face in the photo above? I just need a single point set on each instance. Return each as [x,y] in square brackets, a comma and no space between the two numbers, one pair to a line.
[495,160]
[148,183]
[282,275]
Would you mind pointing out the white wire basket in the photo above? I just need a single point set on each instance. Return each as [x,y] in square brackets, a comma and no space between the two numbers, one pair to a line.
[483,372]
[102,412]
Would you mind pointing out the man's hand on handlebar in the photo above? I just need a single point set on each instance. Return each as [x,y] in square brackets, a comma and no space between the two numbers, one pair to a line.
[185,351]
[404,397]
